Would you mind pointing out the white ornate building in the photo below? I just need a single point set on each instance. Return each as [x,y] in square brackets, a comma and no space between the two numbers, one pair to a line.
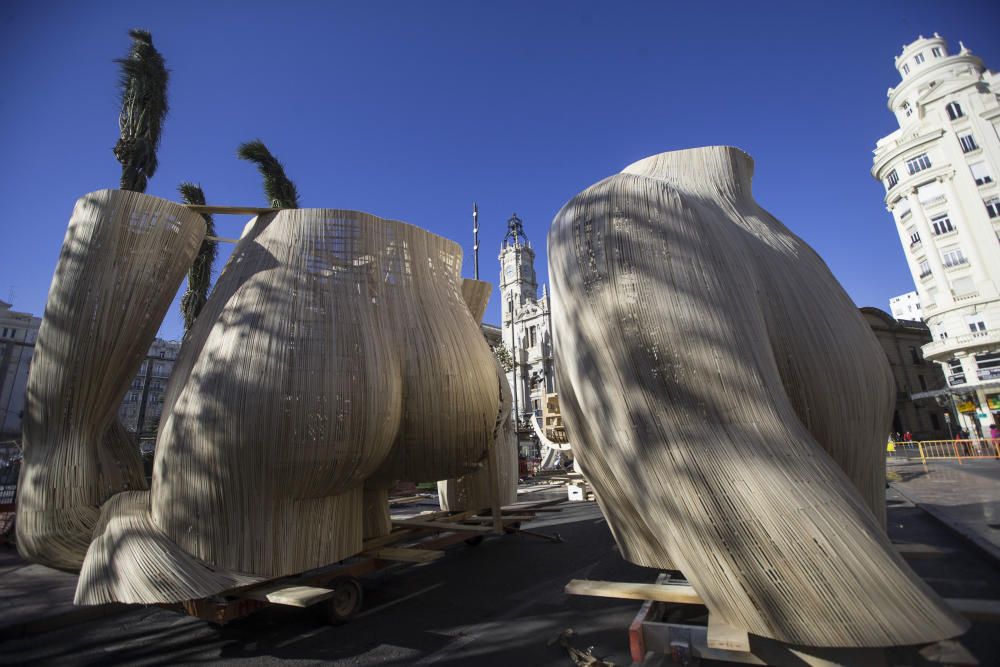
[906,307]
[940,172]
[18,332]
[526,322]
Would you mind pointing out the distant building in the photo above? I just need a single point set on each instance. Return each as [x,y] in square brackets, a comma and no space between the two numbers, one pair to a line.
[526,323]
[940,172]
[906,307]
[18,332]
[913,375]
[141,408]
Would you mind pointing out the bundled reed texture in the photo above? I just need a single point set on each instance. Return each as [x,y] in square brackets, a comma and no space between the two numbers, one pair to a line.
[729,405]
[478,490]
[123,257]
[335,346]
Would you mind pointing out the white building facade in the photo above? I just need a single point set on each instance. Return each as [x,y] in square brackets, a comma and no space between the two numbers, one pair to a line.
[906,307]
[18,332]
[526,323]
[940,171]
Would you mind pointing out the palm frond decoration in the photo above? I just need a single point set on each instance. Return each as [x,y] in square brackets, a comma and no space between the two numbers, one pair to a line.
[144,107]
[279,190]
[200,273]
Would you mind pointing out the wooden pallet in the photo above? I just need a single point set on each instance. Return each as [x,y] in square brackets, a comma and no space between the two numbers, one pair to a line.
[654,640]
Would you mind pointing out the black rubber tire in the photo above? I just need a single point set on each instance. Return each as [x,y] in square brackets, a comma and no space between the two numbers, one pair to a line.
[346,602]
[475,541]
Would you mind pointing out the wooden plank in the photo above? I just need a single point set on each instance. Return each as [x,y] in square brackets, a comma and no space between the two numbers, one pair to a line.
[230,210]
[292,596]
[727,638]
[976,610]
[505,518]
[948,652]
[679,593]
[440,525]
[405,555]
[921,551]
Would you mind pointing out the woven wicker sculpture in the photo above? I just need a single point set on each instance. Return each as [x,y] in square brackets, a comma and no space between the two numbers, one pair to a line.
[122,260]
[335,351]
[480,489]
[729,405]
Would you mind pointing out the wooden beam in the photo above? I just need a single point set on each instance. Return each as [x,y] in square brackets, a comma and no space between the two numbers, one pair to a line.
[440,525]
[921,551]
[405,555]
[976,610]
[230,210]
[679,593]
[291,596]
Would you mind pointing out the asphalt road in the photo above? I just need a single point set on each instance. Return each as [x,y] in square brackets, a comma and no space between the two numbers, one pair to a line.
[499,603]
[496,604]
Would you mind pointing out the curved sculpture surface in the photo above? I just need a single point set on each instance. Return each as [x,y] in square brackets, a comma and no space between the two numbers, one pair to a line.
[477,490]
[729,405]
[122,260]
[335,347]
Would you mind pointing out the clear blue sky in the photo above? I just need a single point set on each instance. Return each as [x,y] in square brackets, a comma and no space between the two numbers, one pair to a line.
[413,110]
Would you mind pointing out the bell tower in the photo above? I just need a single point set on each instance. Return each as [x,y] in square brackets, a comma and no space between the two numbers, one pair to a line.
[518,284]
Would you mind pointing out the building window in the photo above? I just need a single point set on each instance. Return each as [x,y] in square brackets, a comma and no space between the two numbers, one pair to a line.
[923,382]
[925,269]
[955,373]
[954,110]
[993,207]
[936,51]
[935,424]
[968,143]
[532,339]
[989,365]
[906,69]
[953,257]
[919,58]
[981,173]
[915,355]
[914,238]
[976,323]
[941,224]
[918,164]
[891,179]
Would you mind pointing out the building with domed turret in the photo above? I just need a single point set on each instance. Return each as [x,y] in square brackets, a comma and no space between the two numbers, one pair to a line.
[526,323]
[940,171]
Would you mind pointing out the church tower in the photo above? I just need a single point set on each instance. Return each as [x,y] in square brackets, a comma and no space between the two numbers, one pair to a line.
[518,284]
[525,323]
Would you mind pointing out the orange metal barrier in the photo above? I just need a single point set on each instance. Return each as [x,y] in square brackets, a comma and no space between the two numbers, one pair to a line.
[946,449]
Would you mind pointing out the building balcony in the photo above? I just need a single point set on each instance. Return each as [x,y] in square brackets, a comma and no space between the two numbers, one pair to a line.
[915,246]
[924,274]
[942,350]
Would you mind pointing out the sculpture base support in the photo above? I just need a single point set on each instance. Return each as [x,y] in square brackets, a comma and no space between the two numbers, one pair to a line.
[375,515]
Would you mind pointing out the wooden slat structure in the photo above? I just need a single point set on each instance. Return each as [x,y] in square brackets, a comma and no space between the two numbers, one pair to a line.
[729,405]
[336,351]
[495,483]
[122,260]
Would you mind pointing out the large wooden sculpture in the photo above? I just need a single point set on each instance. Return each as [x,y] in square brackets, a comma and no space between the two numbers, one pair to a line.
[335,351]
[123,257]
[729,405]
[495,483]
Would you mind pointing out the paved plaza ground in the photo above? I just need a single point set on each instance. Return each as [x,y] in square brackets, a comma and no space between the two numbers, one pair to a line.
[499,603]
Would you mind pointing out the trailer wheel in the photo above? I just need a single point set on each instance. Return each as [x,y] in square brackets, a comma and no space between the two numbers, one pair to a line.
[475,541]
[346,601]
